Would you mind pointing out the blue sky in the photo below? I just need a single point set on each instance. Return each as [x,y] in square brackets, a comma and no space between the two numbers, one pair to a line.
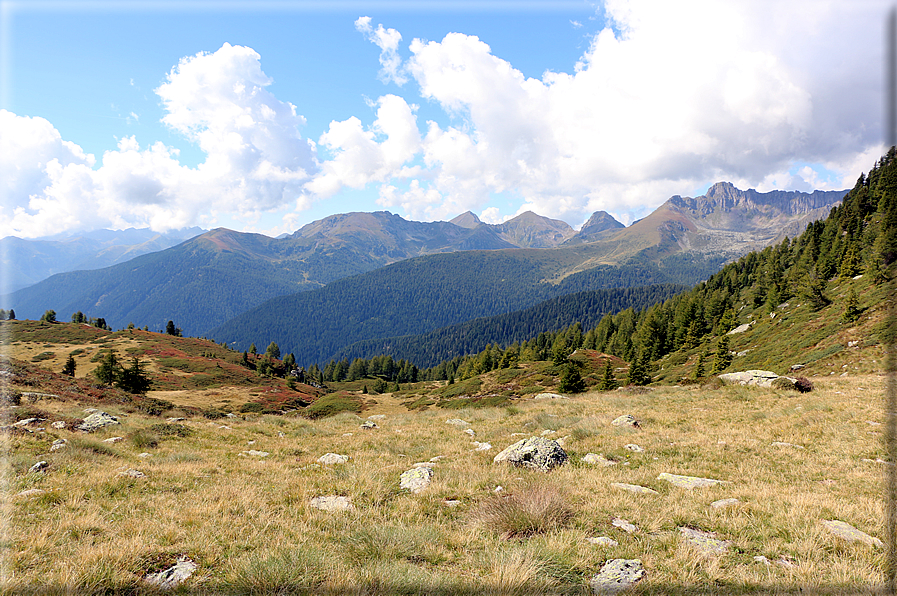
[264,117]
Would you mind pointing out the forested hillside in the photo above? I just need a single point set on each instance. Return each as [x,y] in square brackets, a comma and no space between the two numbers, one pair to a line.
[586,308]
[420,295]
[783,297]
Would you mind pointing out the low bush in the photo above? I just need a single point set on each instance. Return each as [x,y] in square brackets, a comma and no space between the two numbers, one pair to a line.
[152,406]
[252,408]
[144,439]
[332,404]
[803,384]
[168,429]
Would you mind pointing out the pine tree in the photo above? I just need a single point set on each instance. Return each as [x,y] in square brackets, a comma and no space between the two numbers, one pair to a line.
[638,370]
[722,358]
[699,371]
[69,368]
[49,316]
[852,308]
[253,350]
[11,315]
[109,370]
[608,381]
[571,381]
[273,350]
[133,379]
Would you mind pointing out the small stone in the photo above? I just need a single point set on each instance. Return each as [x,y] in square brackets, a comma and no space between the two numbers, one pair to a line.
[40,466]
[90,410]
[174,419]
[547,432]
[635,488]
[783,444]
[498,489]
[626,420]
[347,434]
[332,503]
[253,452]
[331,459]
[616,576]
[705,542]
[470,431]
[598,460]
[281,434]
[436,459]
[451,502]
[847,532]
[172,576]
[853,344]
[603,541]
[482,446]
[31,492]
[113,439]
[131,473]
[416,479]
[549,396]
[96,421]
[724,503]
[376,416]
[250,443]
[59,424]
[457,422]
[368,425]
[58,444]
[797,366]
[633,447]
[689,482]
[623,524]
[762,559]
[26,422]
[740,329]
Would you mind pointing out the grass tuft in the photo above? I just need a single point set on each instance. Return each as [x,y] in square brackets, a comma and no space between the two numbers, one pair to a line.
[533,510]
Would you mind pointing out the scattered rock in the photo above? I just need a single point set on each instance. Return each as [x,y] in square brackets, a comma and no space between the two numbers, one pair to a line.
[457,422]
[451,502]
[783,444]
[172,576]
[626,420]
[482,446]
[59,424]
[113,439]
[470,431]
[416,479]
[27,421]
[742,353]
[689,482]
[724,503]
[255,453]
[603,541]
[538,453]
[635,488]
[847,532]
[598,460]
[705,542]
[40,466]
[760,378]
[90,410]
[498,489]
[31,492]
[96,421]
[376,416]
[797,366]
[330,459]
[332,503]
[616,576]
[368,425]
[131,473]
[633,447]
[175,419]
[33,397]
[549,396]
[853,344]
[740,329]
[623,524]
[762,559]
[58,444]
[347,434]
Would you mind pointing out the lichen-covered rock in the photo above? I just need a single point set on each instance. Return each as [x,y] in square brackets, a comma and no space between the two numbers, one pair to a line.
[617,575]
[759,378]
[131,473]
[549,396]
[704,542]
[40,466]
[602,541]
[635,488]
[847,532]
[689,482]
[332,503]
[251,452]
[537,453]
[725,503]
[457,422]
[331,459]
[626,420]
[624,525]
[58,444]
[416,479]
[597,459]
[174,575]
[634,448]
[369,424]
[96,421]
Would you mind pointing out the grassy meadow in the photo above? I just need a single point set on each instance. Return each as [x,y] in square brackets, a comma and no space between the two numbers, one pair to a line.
[246,519]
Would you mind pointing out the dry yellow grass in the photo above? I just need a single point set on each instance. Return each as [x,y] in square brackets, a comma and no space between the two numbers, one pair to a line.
[247,522]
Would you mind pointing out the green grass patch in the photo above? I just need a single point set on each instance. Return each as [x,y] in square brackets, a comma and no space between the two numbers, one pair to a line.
[331,404]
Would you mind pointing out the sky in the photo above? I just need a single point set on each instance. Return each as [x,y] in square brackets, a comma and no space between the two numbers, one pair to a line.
[265,116]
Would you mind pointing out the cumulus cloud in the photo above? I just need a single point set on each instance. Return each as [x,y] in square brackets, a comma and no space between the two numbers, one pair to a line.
[388,42]
[256,159]
[668,97]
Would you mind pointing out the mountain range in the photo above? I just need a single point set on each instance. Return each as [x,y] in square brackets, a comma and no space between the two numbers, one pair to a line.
[206,281]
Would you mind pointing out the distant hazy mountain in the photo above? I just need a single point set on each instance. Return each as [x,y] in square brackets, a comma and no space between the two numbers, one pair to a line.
[26,262]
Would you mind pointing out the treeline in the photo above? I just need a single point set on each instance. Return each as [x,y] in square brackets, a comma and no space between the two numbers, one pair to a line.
[586,308]
[858,237]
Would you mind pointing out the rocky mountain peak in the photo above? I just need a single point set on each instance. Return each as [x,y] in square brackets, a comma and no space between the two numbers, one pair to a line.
[466,220]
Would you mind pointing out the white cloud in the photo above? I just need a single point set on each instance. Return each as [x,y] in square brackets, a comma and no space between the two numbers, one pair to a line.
[672,97]
[256,160]
[388,42]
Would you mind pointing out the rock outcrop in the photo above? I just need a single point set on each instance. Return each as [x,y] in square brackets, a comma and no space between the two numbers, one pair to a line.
[537,453]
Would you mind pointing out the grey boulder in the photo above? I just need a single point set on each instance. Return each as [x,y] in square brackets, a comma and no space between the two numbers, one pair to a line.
[537,453]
